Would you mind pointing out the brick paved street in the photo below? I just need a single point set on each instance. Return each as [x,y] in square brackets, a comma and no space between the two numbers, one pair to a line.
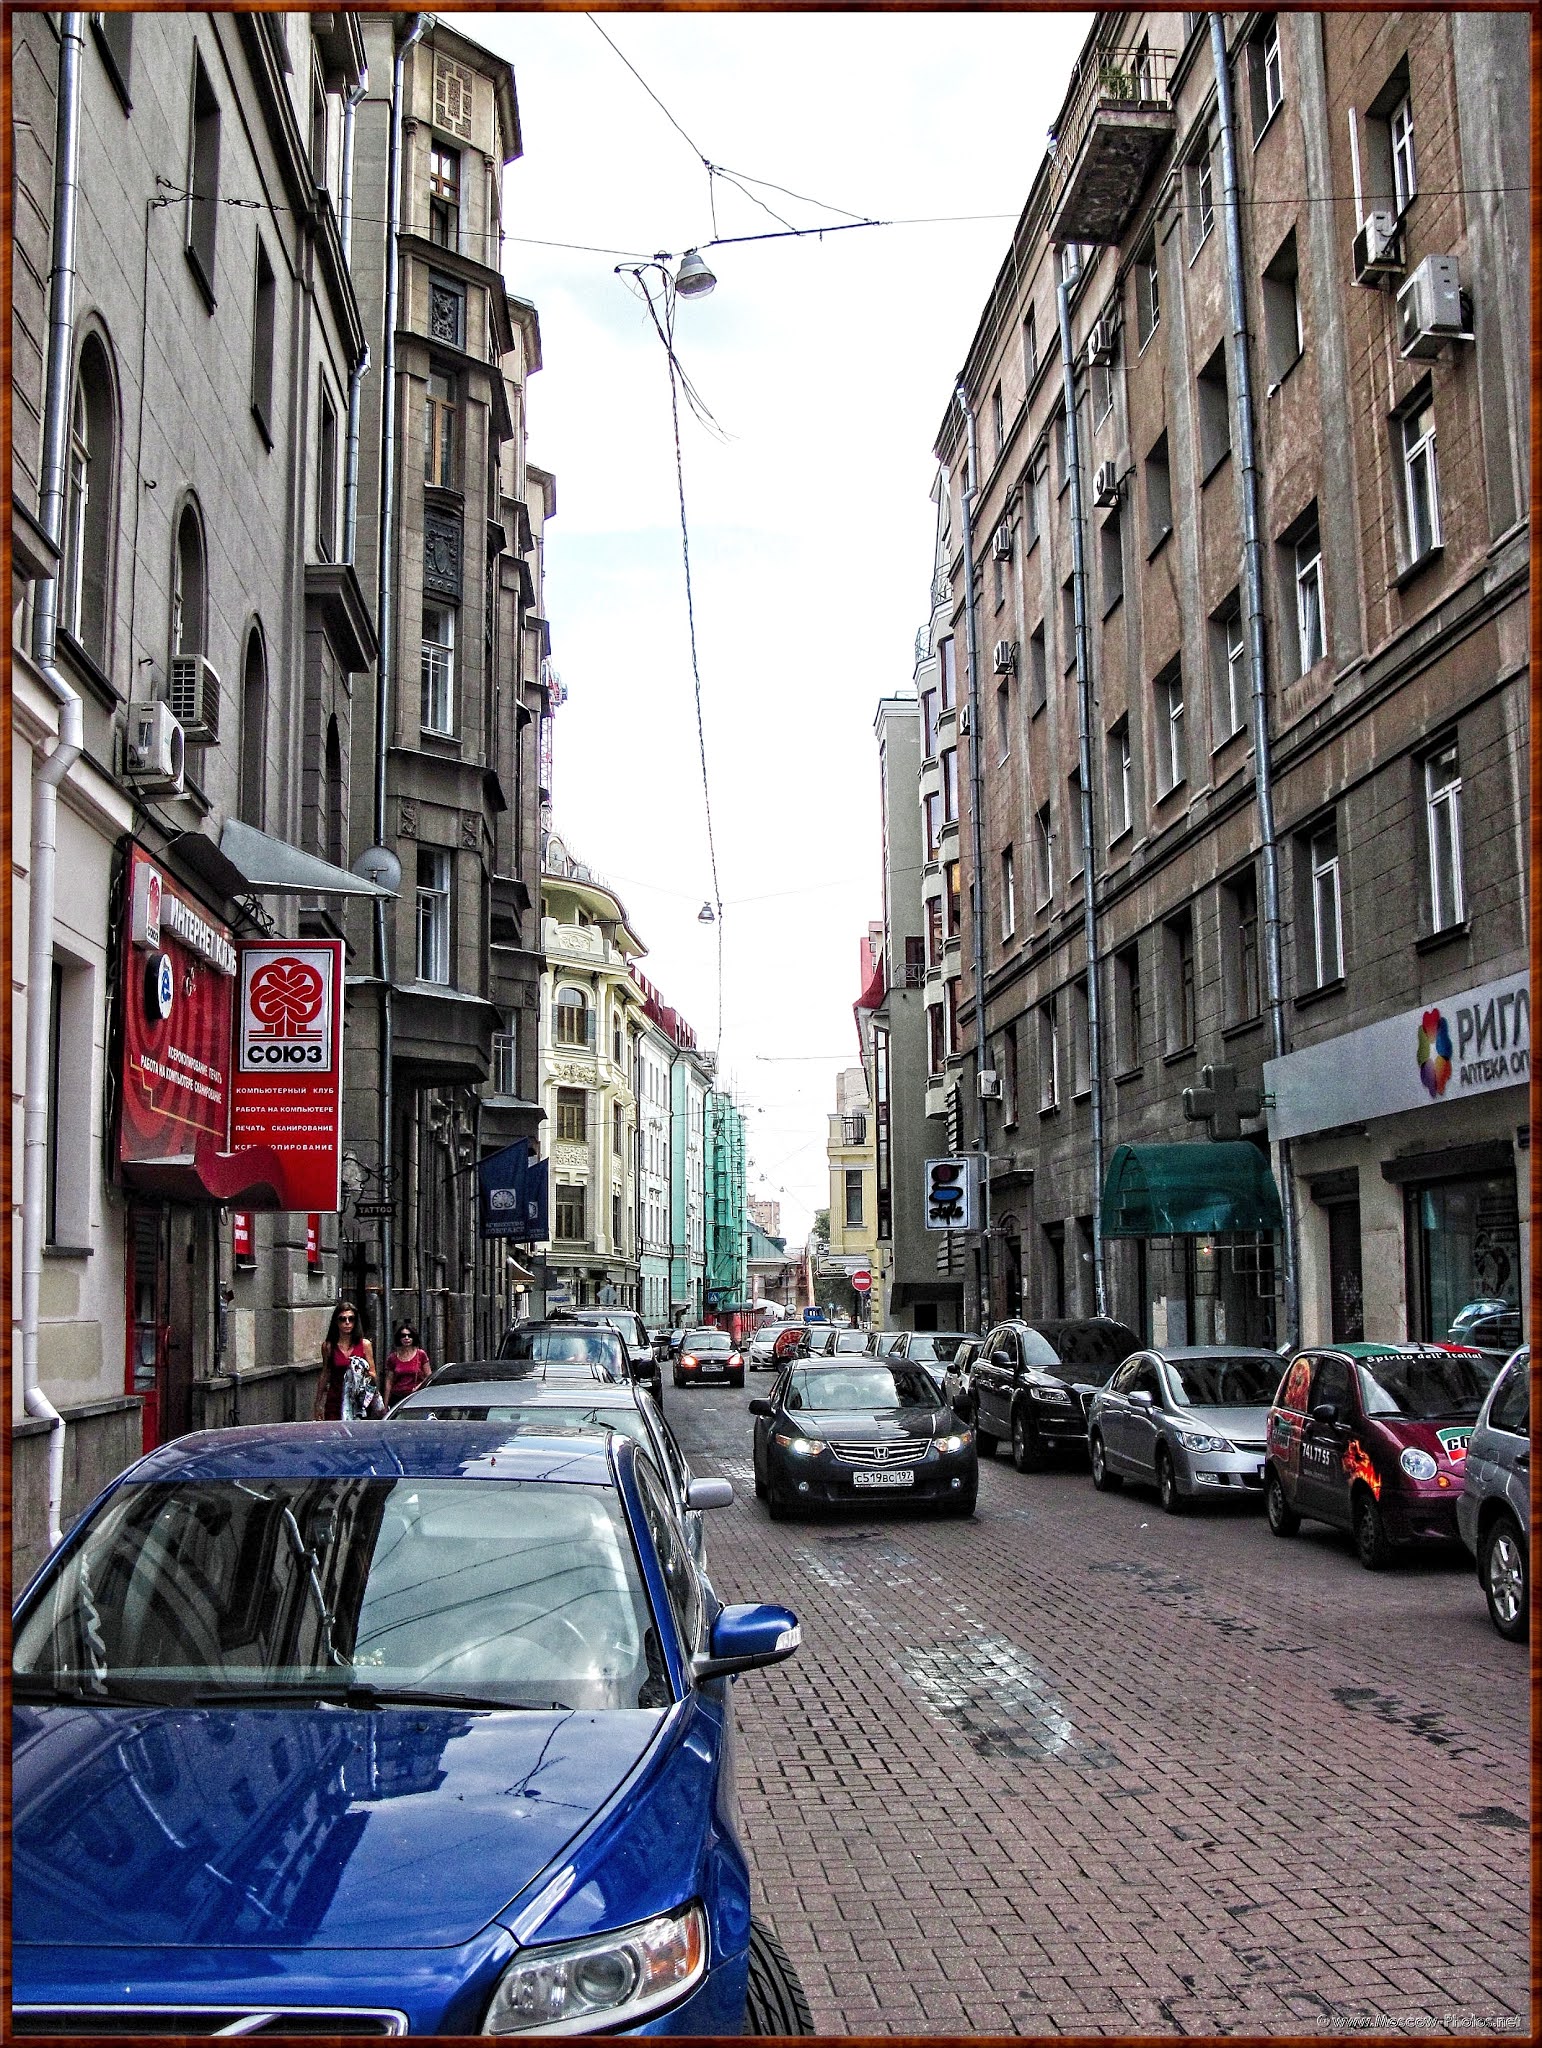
[1079,1766]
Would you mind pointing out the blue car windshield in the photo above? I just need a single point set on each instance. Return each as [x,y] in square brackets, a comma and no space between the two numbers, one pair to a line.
[496,1592]
[870,1386]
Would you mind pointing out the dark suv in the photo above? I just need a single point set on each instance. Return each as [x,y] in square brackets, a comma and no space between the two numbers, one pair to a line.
[1031,1383]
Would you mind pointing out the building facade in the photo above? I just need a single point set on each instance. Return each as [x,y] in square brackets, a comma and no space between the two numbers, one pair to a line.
[654,1056]
[690,1083]
[726,1277]
[852,1155]
[1293,775]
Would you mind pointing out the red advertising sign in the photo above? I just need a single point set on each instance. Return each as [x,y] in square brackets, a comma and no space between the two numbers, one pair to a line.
[241,1237]
[178,983]
[313,1241]
[287,1090]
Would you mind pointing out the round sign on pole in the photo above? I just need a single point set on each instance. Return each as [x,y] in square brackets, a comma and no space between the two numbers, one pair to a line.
[862,1282]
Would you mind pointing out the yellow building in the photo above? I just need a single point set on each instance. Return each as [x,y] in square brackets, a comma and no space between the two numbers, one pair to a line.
[851,1150]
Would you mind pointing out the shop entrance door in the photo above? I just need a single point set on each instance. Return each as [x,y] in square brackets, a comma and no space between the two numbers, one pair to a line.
[149,1291]
[1344,1277]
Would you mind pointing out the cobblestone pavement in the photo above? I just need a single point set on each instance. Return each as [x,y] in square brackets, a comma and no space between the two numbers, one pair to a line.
[1080,1766]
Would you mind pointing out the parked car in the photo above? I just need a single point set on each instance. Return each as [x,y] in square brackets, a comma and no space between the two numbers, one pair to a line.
[1493,1511]
[630,1328]
[1372,1438]
[244,1706]
[1190,1420]
[845,1430]
[708,1354]
[562,1339]
[1031,1383]
[542,1407]
[1492,1335]
[956,1375]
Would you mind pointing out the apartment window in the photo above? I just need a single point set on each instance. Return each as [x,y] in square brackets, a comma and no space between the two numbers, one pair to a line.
[115,39]
[915,962]
[998,421]
[1283,338]
[853,1196]
[1003,719]
[1148,294]
[931,812]
[616,1238]
[1243,989]
[326,482]
[952,996]
[1202,195]
[954,894]
[1421,489]
[1038,667]
[1030,349]
[203,181]
[1214,414]
[264,329]
[318,127]
[438,677]
[934,931]
[1111,552]
[1443,821]
[1081,1040]
[1073,832]
[1265,79]
[1391,171]
[1009,1075]
[1102,392]
[444,196]
[1306,555]
[935,1053]
[949,784]
[568,1222]
[1062,453]
[254,732]
[1159,496]
[1127,1012]
[505,1062]
[1229,670]
[999,576]
[433,914]
[1033,508]
[1405,177]
[1327,905]
[189,588]
[1120,795]
[439,430]
[616,1049]
[90,496]
[1008,895]
[929,725]
[573,1113]
[1172,756]
[1049,1055]
[1178,943]
[1068,623]
[572,1018]
[618,1131]
[1044,854]
[947,676]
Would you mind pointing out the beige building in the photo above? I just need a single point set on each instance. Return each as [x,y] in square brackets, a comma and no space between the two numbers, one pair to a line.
[851,1151]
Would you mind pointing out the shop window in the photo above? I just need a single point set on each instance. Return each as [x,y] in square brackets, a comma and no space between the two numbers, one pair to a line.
[1463,1244]
[1054,1268]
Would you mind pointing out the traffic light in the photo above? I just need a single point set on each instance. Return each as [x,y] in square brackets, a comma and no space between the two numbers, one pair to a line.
[949,1194]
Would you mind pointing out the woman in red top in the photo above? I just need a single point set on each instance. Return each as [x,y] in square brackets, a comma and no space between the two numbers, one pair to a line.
[407,1368]
[343,1344]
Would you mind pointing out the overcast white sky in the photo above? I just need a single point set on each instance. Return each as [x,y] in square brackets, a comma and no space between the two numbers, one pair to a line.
[830,364]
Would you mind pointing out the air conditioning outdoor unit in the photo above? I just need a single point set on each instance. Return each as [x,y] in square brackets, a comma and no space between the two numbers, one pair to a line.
[1102,341]
[1001,541]
[1378,250]
[1004,660]
[194,696]
[154,750]
[990,1085]
[1105,484]
[1432,308]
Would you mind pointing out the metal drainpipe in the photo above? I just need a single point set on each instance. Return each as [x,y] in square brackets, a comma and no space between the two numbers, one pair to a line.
[49,772]
[1253,583]
[385,639]
[356,92]
[976,884]
[1084,742]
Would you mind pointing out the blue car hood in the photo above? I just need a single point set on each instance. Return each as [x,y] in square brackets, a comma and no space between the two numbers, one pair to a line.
[311,1827]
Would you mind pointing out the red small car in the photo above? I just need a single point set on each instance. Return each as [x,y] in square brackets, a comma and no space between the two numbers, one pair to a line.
[1372,1438]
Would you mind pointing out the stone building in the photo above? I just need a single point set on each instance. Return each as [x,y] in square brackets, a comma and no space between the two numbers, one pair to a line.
[690,1084]
[1303,763]
[852,1158]
[654,1052]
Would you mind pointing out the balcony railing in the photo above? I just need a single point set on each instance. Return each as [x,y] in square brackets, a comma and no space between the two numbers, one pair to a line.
[1118,116]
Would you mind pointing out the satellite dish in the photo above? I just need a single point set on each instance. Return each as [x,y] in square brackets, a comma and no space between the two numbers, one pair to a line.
[378,864]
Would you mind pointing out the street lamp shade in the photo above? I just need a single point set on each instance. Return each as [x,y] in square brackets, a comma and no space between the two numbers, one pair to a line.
[706,914]
[693,280]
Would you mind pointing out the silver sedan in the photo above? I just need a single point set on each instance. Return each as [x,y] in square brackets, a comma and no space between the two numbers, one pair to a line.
[1189,1420]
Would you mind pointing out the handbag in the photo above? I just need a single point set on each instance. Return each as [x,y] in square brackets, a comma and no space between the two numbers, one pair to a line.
[361,1396]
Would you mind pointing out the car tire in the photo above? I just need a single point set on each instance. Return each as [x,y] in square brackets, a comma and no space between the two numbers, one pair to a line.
[1371,1541]
[1283,1519]
[776,1507]
[774,2002]
[1169,1493]
[986,1444]
[739,1382]
[1027,1451]
[1503,1570]
[678,1381]
[760,1487]
[1103,1479]
[960,1504]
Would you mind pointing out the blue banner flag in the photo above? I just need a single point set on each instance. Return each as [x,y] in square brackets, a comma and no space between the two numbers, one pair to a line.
[513,1194]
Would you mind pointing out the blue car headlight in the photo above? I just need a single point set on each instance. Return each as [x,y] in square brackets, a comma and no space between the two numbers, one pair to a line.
[603,1982]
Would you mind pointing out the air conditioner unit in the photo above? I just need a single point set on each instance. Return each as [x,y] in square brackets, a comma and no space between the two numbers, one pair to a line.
[1105,484]
[194,696]
[990,1084]
[1432,309]
[1001,541]
[1378,249]
[1004,660]
[1102,341]
[154,750]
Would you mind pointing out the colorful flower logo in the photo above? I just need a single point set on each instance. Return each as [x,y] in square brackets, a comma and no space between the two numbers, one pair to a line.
[1434,1054]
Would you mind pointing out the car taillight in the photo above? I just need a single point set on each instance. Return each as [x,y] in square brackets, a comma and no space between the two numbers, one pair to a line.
[734,1358]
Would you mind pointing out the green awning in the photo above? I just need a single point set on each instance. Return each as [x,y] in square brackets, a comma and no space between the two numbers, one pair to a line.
[1196,1190]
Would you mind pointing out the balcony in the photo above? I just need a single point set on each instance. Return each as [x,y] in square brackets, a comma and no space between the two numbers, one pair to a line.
[1118,118]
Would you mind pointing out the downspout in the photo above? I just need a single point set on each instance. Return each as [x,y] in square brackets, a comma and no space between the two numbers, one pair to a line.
[976,881]
[356,92]
[1253,585]
[1084,762]
[48,772]
[385,637]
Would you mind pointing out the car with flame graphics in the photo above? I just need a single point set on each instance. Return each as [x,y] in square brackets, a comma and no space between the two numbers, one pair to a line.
[1372,1438]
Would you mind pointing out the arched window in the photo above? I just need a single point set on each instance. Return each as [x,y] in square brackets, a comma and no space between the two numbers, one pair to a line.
[189,604]
[254,732]
[90,498]
[334,824]
[572,1019]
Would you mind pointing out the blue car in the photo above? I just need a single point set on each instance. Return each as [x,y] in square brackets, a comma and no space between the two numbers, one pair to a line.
[381,1728]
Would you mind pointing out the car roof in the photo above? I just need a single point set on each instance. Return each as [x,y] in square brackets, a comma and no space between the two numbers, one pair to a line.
[378,1450]
[535,1393]
[1358,1350]
[1215,1351]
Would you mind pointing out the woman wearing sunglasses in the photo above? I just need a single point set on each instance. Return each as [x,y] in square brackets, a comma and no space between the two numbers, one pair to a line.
[348,1388]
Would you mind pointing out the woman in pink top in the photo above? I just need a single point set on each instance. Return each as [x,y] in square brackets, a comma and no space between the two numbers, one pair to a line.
[343,1345]
[407,1367]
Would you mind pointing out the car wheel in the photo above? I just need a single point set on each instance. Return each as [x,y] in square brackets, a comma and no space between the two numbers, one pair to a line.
[760,1487]
[774,2001]
[960,1504]
[1503,1570]
[986,1444]
[739,1382]
[1168,1491]
[1027,1451]
[1283,1519]
[1102,1478]
[678,1381]
[1371,1534]
[776,1507]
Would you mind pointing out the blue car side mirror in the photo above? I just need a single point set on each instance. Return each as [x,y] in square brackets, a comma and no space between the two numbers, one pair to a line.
[744,1638]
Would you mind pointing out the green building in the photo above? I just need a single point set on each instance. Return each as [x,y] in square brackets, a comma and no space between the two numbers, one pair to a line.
[727,1277]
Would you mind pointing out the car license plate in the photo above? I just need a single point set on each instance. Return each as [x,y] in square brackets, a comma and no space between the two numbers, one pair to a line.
[718,1370]
[883,1479]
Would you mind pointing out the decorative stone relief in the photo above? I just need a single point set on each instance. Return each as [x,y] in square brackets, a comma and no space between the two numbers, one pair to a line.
[441,552]
[470,830]
[407,822]
[452,98]
[446,313]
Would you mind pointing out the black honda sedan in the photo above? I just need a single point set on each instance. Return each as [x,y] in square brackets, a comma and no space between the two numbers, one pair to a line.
[842,1430]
